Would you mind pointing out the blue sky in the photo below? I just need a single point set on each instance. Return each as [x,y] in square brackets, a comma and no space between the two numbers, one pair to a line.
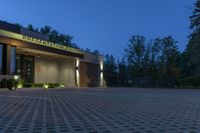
[105,25]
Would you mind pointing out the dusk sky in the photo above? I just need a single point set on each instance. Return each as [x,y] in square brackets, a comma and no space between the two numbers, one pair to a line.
[105,25]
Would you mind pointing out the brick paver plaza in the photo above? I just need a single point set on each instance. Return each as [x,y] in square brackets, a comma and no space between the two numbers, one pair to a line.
[98,110]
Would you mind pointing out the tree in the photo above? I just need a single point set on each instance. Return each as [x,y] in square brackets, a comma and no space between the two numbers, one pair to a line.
[169,62]
[195,17]
[154,63]
[122,73]
[110,70]
[192,53]
[135,52]
[46,30]
[54,35]
[30,27]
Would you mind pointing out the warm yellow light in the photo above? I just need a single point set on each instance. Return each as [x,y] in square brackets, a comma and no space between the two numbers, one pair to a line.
[77,62]
[101,65]
[19,85]
[45,86]
[61,85]
[16,77]
[77,78]
[101,79]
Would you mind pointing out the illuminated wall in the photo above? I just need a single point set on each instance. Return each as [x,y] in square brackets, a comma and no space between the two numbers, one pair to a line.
[49,70]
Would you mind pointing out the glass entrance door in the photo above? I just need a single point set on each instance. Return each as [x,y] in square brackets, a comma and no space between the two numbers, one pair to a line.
[25,67]
[28,69]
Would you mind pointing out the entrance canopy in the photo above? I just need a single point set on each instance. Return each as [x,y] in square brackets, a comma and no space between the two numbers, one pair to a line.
[28,42]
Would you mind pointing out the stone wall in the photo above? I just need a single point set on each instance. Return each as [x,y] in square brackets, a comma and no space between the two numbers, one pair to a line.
[48,70]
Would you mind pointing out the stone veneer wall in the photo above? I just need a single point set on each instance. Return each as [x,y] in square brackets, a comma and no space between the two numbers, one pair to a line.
[55,71]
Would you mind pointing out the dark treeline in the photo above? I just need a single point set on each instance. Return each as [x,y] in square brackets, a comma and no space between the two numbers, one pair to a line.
[55,36]
[158,62]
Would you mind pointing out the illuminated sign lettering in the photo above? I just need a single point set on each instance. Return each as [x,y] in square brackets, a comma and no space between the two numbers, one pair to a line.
[38,41]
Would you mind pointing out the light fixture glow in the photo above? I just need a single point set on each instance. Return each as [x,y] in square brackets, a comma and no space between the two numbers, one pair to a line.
[77,62]
[77,73]
[101,65]
[46,86]
[20,85]
[16,77]
[61,85]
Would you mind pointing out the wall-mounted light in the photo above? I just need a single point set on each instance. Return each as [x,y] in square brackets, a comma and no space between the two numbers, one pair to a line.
[101,65]
[77,72]
[77,62]
[101,73]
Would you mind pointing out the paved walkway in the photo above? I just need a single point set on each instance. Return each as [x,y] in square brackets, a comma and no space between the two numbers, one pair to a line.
[100,111]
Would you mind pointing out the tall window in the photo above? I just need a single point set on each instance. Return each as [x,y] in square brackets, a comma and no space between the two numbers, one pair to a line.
[13,61]
[1,58]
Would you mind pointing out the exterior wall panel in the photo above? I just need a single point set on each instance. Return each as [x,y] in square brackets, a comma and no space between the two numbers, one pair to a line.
[54,71]
[67,72]
[89,75]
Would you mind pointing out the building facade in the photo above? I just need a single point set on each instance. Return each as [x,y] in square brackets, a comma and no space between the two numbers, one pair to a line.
[35,59]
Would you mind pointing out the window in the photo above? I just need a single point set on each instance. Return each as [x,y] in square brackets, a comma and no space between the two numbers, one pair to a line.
[13,61]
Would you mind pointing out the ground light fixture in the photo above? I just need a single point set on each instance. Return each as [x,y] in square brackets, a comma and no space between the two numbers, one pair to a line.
[19,85]
[61,85]
[46,86]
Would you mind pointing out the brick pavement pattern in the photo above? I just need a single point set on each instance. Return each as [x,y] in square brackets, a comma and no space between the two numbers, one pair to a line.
[96,110]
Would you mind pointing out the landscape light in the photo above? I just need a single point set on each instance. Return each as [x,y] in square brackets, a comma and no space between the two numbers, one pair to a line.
[46,86]
[61,85]
[19,85]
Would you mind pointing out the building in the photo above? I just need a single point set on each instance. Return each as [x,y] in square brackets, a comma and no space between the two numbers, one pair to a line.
[36,60]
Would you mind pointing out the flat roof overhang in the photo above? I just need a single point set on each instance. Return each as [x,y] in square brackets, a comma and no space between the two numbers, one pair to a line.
[24,41]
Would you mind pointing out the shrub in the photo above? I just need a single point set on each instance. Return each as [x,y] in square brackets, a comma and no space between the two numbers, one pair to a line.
[4,83]
[20,83]
[28,85]
[38,85]
[60,85]
[51,85]
[11,84]
[46,86]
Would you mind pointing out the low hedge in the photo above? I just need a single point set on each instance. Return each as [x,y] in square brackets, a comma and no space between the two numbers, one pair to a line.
[43,85]
[8,83]
[12,84]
